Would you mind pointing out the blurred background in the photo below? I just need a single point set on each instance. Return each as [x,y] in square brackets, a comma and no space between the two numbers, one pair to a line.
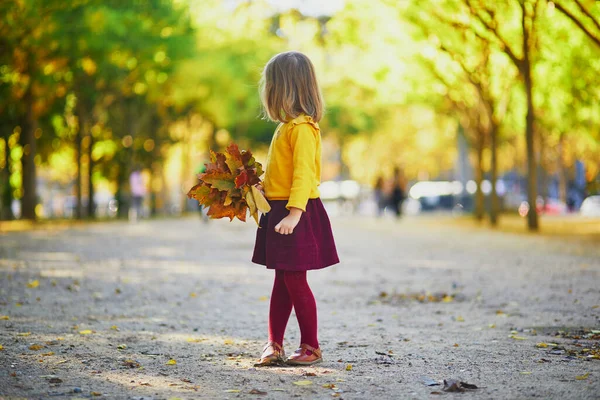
[463,106]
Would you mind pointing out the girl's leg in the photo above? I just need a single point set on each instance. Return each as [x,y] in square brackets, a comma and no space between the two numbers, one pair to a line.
[280,309]
[304,305]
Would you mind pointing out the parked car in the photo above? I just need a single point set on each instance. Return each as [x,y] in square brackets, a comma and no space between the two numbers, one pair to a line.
[590,207]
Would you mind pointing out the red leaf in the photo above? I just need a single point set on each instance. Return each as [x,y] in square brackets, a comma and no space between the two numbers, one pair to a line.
[241,179]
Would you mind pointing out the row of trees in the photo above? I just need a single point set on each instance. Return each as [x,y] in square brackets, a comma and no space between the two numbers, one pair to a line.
[90,88]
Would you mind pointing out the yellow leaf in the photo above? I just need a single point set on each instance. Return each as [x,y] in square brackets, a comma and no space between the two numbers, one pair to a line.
[525,373]
[36,347]
[122,346]
[193,294]
[4,317]
[114,328]
[261,203]
[541,345]
[232,391]
[263,298]
[499,312]
[19,304]
[303,383]
[228,341]
[96,394]
[1,347]
[24,334]
[33,284]
[582,377]
[348,367]
[456,344]
[50,353]
[447,299]
[460,319]
[60,338]
[330,386]
[171,362]
[491,326]
[195,340]
[85,332]
[515,337]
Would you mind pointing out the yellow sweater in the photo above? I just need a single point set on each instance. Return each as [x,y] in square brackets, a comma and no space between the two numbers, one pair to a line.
[293,170]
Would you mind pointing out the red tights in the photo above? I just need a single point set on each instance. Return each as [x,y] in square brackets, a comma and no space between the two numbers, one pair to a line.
[291,289]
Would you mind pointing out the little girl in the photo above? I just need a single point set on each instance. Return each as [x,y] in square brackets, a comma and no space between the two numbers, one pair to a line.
[295,236]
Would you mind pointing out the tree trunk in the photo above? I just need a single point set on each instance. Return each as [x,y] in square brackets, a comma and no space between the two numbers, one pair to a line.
[78,154]
[479,198]
[494,204]
[91,207]
[532,215]
[27,140]
[7,191]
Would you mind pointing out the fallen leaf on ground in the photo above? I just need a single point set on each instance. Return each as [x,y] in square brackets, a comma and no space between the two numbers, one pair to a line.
[131,364]
[228,341]
[232,391]
[525,372]
[36,347]
[33,284]
[24,334]
[4,317]
[193,294]
[515,337]
[122,346]
[114,328]
[85,332]
[491,326]
[50,353]
[460,319]
[171,362]
[55,380]
[309,374]
[145,384]
[582,377]
[452,385]
[263,298]
[303,383]
[194,340]
[96,394]
[456,345]
[348,367]
[256,391]
[541,345]
[330,386]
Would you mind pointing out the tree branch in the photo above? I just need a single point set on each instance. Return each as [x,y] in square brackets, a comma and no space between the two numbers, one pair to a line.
[587,13]
[577,22]
[491,28]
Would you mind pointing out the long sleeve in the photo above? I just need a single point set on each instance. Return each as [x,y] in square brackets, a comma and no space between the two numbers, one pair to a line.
[303,141]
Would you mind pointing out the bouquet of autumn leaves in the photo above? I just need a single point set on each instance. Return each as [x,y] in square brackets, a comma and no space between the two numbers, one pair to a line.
[228,186]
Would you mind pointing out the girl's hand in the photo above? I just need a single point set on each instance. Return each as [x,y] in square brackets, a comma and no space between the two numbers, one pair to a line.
[260,187]
[287,225]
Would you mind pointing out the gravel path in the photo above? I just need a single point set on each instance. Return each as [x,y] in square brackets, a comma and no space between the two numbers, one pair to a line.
[171,309]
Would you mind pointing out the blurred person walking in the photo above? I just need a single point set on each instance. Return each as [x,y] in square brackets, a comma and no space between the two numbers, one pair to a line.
[398,192]
[380,197]
[138,192]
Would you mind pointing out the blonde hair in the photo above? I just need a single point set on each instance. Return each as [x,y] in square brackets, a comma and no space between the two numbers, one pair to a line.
[288,88]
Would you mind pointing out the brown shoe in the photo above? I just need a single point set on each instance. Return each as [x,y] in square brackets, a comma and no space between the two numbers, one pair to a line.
[272,354]
[305,355]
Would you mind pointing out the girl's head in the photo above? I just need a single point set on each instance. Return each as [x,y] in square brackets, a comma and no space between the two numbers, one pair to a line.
[289,88]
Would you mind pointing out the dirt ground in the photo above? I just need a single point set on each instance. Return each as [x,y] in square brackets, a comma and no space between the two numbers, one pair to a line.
[169,309]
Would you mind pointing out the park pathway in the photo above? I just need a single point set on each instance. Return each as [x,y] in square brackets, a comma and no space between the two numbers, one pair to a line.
[167,309]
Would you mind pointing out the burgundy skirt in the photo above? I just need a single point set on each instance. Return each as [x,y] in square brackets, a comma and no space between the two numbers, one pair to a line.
[311,246]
